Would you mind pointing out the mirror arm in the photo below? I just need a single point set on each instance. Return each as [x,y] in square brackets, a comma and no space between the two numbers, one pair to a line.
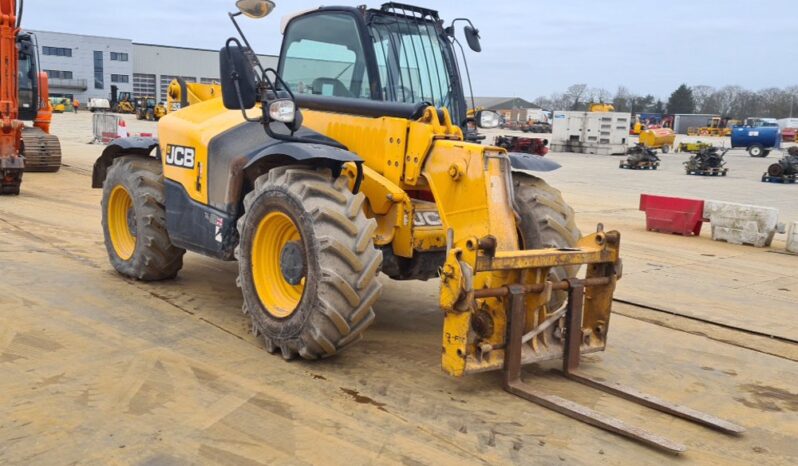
[468,74]
[241,102]
[451,25]
[246,42]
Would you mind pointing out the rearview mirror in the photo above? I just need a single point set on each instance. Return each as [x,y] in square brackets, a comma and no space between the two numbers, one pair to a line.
[239,86]
[488,119]
[472,37]
[255,8]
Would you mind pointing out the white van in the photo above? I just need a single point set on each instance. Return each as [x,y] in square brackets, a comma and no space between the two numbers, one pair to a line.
[97,104]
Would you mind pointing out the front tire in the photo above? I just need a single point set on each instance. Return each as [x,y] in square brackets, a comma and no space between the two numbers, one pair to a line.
[134,221]
[307,263]
[547,221]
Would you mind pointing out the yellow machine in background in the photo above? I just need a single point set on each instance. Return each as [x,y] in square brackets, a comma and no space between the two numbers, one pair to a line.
[122,102]
[181,94]
[637,126]
[159,111]
[658,138]
[600,107]
[316,181]
[59,104]
[716,127]
[148,109]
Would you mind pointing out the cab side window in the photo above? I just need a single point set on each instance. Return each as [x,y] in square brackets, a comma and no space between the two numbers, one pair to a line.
[323,55]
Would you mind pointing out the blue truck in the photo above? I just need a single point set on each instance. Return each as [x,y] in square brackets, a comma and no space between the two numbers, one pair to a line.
[758,136]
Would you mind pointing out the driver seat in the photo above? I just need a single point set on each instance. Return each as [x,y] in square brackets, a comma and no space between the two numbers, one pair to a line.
[338,88]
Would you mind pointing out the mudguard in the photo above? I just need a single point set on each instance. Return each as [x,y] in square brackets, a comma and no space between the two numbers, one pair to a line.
[124,146]
[317,154]
[238,156]
[531,162]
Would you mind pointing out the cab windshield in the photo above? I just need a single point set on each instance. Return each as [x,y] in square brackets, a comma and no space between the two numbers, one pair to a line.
[325,54]
[411,61]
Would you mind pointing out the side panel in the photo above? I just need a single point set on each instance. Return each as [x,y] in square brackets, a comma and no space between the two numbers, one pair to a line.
[381,142]
[184,139]
[196,227]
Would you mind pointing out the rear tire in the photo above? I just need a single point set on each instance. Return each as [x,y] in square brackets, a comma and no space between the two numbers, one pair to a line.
[547,221]
[140,216]
[756,151]
[330,306]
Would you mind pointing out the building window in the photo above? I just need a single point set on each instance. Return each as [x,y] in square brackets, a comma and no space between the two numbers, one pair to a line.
[143,85]
[56,74]
[120,78]
[99,81]
[118,56]
[209,80]
[57,51]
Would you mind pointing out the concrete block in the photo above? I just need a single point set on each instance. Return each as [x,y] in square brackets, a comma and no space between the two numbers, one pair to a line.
[741,223]
[792,238]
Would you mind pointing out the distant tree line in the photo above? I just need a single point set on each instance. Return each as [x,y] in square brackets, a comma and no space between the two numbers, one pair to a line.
[728,101]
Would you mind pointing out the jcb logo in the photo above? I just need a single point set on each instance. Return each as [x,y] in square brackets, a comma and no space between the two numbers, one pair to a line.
[180,156]
[429,219]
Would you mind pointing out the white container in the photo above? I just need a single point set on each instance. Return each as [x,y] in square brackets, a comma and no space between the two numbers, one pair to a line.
[603,133]
[792,238]
[741,223]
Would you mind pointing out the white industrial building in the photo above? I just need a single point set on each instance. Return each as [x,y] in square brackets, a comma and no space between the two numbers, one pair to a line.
[85,66]
[155,66]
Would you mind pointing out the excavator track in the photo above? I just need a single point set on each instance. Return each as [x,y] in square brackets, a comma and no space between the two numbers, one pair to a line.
[42,151]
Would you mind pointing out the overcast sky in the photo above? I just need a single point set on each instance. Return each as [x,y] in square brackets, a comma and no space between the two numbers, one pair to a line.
[529,47]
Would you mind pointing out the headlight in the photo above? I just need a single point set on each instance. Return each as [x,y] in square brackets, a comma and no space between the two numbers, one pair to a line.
[282,110]
[488,119]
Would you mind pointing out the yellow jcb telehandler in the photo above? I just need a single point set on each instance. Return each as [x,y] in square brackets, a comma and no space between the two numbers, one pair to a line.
[181,93]
[147,108]
[357,156]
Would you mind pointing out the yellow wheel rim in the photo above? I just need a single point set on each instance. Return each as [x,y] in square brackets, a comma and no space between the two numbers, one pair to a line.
[278,296]
[120,215]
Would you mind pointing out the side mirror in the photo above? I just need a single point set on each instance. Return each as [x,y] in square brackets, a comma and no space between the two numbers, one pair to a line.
[239,86]
[255,8]
[472,37]
[488,119]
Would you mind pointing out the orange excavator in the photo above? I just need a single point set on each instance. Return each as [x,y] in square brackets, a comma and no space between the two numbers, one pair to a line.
[24,93]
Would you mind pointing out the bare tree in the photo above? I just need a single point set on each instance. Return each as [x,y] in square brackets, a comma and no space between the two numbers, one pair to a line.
[701,95]
[623,99]
[726,99]
[560,101]
[574,93]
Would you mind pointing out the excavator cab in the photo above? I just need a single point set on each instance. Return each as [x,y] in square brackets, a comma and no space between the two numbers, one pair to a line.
[28,76]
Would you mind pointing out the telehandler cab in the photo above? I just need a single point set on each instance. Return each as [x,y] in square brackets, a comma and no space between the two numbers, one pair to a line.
[375,173]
